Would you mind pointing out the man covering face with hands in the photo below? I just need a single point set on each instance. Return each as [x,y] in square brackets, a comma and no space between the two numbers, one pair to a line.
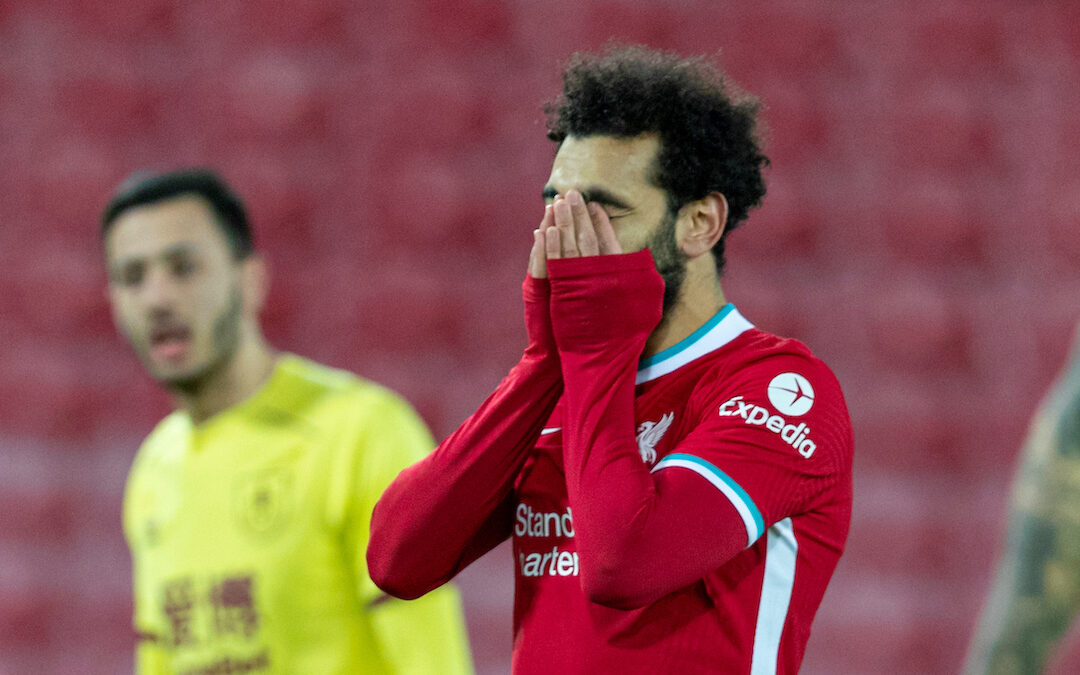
[677,482]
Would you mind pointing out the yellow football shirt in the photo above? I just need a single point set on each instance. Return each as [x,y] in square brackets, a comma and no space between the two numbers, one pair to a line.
[248,533]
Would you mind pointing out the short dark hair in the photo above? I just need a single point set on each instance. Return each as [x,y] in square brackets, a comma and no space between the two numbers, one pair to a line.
[144,187]
[707,128]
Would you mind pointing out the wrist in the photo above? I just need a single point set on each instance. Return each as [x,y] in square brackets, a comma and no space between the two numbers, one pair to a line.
[535,290]
[536,294]
[562,269]
[601,299]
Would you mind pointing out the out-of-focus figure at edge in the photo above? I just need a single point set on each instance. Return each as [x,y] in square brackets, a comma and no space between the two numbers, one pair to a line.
[1036,593]
[247,508]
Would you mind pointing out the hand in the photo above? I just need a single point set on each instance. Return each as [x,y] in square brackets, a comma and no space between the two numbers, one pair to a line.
[537,256]
[570,229]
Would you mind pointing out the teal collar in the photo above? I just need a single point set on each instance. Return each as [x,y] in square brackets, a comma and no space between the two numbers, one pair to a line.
[722,328]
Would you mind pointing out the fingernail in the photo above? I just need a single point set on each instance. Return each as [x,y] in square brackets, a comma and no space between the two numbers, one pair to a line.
[574,197]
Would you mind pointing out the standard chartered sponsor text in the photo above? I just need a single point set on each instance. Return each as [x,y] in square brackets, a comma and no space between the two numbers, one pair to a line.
[556,562]
[543,524]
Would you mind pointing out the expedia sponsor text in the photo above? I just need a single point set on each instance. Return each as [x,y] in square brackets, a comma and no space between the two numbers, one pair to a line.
[797,436]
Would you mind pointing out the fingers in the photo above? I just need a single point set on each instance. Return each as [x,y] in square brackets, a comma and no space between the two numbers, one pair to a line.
[577,228]
[606,240]
[565,229]
[552,244]
[538,254]
[584,234]
[537,257]
[549,218]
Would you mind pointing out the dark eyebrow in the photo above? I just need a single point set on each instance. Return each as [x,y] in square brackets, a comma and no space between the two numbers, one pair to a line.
[592,194]
[180,248]
[173,251]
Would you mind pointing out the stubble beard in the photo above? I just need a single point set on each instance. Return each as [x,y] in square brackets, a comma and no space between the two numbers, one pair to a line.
[669,260]
[226,339]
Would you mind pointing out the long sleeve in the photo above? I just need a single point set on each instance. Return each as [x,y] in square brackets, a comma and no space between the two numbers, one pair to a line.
[151,656]
[447,510]
[427,635]
[640,535]
[397,626]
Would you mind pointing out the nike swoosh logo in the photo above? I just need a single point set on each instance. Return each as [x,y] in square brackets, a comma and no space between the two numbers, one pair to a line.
[549,430]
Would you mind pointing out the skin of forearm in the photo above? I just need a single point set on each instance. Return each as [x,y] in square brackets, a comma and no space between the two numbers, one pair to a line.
[1033,602]
[1037,591]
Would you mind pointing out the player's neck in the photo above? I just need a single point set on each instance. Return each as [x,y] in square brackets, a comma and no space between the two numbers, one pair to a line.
[700,298]
[245,373]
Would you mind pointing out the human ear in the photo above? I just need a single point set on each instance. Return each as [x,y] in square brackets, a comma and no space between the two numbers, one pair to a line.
[255,281]
[702,223]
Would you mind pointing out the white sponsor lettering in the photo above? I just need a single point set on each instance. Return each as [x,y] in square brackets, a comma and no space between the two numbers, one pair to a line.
[555,563]
[531,523]
[797,436]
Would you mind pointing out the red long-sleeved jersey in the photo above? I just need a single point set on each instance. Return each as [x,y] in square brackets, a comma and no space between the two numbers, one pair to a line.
[681,513]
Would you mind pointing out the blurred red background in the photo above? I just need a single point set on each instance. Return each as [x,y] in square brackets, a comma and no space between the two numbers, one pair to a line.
[921,234]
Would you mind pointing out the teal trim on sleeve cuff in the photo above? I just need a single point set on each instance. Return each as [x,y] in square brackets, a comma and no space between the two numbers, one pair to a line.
[755,524]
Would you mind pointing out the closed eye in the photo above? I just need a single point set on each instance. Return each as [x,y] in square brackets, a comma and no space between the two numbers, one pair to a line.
[613,206]
[614,213]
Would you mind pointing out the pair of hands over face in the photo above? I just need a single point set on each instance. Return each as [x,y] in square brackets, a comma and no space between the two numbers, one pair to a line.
[571,228]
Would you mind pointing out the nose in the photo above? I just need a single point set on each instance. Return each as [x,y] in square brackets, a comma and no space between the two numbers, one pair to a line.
[158,290]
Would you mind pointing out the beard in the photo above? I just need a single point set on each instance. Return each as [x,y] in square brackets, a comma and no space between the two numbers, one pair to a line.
[226,338]
[670,261]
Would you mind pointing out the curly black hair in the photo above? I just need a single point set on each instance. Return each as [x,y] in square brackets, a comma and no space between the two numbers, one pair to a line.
[707,129]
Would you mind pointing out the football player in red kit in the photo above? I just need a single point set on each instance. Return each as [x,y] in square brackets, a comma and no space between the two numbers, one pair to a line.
[677,482]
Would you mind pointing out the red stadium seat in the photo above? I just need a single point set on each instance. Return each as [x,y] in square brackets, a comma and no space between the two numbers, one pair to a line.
[463,25]
[951,141]
[961,42]
[26,619]
[1063,226]
[938,224]
[43,516]
[919,327]
[310,24]
[803,43]
[148,20]
[106,105]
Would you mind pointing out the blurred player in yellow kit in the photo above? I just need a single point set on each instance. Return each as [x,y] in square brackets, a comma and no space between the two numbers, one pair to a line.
[247,509]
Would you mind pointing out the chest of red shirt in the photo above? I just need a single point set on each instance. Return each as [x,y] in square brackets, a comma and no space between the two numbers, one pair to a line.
[665,412]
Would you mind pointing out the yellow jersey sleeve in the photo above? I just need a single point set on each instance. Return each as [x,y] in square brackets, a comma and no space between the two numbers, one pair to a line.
[392,438]
[151,655]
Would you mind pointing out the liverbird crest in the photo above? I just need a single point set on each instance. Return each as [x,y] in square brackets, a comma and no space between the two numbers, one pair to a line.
[649,434]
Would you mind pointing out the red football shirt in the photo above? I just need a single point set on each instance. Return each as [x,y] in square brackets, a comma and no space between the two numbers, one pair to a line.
[681,513]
